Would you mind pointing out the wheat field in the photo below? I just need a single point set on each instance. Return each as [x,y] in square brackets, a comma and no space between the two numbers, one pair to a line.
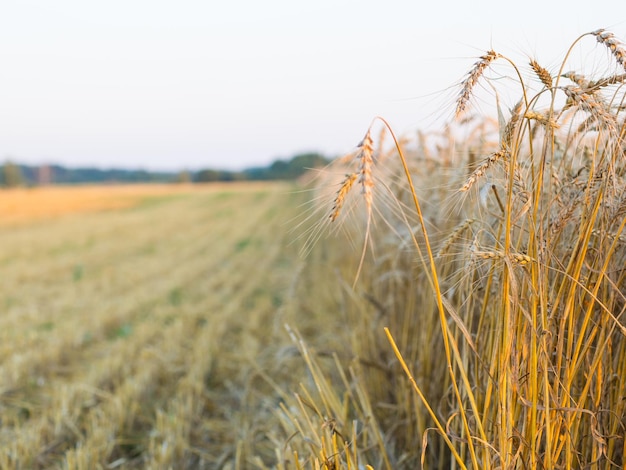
[137,325]
[450,300]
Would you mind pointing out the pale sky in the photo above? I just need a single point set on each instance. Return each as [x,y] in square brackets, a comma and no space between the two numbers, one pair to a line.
[231,84]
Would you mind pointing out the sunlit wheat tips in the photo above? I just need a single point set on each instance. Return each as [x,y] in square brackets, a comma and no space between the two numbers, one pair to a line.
[579,79]
[521,259]
[472,78]
[454,236]
[589,103]
[482,169]
[346,186]
[366,160]
[541,119]
[511,126]
[542,73]
[615,46]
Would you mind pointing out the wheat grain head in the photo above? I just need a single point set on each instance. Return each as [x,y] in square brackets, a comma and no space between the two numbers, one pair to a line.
[472,78]
[615,46]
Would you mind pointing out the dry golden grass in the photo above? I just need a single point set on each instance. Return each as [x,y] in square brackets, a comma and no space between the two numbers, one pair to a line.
[20,205]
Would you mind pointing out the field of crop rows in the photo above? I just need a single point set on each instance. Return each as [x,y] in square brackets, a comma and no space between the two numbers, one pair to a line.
[129,336]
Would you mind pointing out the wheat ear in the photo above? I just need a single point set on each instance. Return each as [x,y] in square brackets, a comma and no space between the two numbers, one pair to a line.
[365,169]
[482,169]
[615,46]
[346,185]
[454,236]
[472,78]
[516,258]
[615,79]
[578,78]
[505,147]
[542,73]
[511,126]
[541,119]
[365,155]
[588,103]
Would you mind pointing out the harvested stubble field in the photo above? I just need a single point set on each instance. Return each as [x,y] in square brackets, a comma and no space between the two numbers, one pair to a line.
[136,327]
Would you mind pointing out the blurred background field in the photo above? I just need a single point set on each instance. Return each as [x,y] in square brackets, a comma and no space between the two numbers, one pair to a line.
[133,319]
[23,205]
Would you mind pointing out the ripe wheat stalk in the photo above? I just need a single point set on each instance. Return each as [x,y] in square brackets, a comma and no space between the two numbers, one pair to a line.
[529,326]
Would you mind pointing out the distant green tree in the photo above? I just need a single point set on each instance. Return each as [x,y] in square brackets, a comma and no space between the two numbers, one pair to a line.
[278,170]
[296,166]
[207,176]
[287,169]
[12,175]
[183,177]
[301,163]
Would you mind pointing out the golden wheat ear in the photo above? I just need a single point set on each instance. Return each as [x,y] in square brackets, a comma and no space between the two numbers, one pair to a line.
[589,103]
[472,78]
[542,73]
[365,169]
[345,188]
[615,46]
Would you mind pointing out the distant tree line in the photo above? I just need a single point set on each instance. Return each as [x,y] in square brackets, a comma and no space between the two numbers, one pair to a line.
[278,170]
[13,174]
